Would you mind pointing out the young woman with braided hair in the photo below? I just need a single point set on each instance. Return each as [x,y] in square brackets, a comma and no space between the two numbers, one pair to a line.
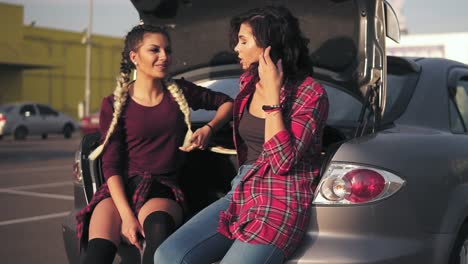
[145,125]
[279,116]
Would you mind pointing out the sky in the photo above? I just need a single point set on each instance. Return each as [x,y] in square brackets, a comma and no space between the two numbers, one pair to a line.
[116,17]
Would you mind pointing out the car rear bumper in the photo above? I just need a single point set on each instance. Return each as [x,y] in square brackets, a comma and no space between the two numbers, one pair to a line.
[322,248]
[387,232]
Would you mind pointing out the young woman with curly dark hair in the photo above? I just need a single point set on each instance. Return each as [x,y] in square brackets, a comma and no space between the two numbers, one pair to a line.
[279,117]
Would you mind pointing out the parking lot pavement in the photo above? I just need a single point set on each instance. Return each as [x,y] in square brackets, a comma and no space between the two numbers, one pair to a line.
[36,194]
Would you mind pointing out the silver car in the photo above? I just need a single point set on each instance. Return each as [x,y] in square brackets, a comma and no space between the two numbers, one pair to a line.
[394,181]
[24,119]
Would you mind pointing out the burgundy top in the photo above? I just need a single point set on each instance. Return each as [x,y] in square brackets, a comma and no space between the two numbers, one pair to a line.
[148,132]
[148,138]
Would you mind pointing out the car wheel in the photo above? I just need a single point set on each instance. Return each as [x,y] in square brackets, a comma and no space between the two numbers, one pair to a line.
[44,136]
[67,131]
[21,133]
[459,253]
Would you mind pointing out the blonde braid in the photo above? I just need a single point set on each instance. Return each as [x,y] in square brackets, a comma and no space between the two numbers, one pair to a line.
[179,97]
[120,98]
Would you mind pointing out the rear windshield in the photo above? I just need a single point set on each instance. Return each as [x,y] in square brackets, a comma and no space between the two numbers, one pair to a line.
[344,108]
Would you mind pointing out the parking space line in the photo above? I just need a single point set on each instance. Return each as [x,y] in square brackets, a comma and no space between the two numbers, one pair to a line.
[34,218]
[37,169]
[36,194]
[44,185]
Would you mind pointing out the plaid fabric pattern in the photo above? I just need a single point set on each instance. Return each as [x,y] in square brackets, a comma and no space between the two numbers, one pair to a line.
[139,198]
[271,204]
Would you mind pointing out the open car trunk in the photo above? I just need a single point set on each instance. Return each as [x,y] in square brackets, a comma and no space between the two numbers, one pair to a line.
[347,44]
[347,37]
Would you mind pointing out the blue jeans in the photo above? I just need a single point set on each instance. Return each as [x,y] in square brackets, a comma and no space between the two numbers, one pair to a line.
[197,241]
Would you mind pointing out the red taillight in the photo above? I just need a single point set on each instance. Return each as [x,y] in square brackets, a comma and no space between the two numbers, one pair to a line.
[364,185]
[2,117]
[348,184]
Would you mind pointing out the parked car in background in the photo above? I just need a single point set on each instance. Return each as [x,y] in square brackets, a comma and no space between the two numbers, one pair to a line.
[394,180]
[25,119]
[2,122]
[90,124]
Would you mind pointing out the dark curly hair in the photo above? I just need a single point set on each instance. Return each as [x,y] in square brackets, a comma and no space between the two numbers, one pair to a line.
[275,26]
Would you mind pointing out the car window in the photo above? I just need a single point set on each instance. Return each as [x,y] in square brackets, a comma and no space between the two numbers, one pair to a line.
[459,107]
[229,86]
[6,108]
[28,110]
[45,110]
[395,84]
[456,123]
[344,108]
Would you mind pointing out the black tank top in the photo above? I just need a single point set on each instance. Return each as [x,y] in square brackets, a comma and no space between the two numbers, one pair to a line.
[252,131]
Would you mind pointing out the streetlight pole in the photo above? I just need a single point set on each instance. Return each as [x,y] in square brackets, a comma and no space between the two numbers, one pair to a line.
[87,102]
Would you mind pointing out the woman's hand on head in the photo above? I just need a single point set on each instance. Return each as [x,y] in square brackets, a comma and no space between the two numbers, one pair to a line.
[271,77]
[132,231]
[200,139]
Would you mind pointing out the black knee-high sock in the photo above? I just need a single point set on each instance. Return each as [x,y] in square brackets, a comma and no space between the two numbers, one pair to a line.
[157,226]
[99,251]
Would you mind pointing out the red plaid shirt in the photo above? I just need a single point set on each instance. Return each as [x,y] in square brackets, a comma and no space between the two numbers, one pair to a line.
[271,204]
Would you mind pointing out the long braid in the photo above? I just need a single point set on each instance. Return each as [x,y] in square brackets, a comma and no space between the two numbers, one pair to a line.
[179,97]
[120,98]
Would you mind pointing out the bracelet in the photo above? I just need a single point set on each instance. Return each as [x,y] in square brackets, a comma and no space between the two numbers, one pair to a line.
[211,128]
[271,108]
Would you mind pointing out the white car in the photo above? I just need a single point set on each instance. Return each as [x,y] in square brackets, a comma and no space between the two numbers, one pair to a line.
[24,119]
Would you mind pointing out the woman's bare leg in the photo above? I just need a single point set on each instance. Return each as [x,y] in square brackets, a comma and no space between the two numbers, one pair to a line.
[104,233]
[105,222]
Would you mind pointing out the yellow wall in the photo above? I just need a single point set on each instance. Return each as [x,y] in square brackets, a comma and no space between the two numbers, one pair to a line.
[63,86]
[11,21]
[48,65]
[11,83]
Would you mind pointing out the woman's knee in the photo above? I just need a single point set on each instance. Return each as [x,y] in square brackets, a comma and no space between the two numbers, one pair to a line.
[168,252]
[196,240]
[160,204]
